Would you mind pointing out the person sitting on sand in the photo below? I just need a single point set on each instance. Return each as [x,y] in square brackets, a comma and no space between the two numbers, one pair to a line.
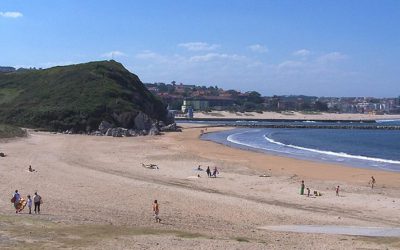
[372,182]
[208,171]
[31,169]
[199,168]
[337,190]
[156,210]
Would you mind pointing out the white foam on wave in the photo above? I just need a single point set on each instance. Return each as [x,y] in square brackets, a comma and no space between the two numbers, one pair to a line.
[337,154]
[231,138]
[383,121]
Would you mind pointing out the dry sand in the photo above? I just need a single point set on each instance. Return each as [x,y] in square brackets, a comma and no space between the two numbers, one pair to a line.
[98,196]
[293,116]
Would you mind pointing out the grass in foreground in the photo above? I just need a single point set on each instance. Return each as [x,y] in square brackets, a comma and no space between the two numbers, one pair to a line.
[17,232]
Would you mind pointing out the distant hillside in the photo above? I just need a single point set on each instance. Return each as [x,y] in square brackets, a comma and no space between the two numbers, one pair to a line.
[76,96]
[7,69]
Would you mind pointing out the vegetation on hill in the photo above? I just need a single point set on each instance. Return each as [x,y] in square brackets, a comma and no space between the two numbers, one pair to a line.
[7,131]
[76,96]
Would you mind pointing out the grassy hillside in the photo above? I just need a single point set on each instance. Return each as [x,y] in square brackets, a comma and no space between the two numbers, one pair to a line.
[7,131]
[76,96]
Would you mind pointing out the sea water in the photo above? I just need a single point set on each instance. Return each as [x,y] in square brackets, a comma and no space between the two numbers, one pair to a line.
[376,149]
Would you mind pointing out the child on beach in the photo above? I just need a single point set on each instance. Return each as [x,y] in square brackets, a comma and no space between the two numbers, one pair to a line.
[337,191]
[372,182]
[156,210]
[29,204]
[208,171]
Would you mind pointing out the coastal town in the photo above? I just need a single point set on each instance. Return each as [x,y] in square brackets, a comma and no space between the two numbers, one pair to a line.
[180,96]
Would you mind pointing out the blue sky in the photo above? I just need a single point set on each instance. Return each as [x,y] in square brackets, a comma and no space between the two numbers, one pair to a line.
[323,48]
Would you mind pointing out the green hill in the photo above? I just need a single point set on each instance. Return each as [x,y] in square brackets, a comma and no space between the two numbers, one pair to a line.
[76,96]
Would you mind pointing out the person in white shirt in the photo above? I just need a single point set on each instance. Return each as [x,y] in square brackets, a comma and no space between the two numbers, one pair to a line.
[37,200]
[29,204]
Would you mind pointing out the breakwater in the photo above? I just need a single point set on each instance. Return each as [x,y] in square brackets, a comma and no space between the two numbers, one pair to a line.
[295,124]
[222,120]
[319,126]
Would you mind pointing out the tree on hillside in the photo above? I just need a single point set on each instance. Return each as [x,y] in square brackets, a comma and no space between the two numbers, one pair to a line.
[321,106]
[162,87]
[255,97]
[232,92]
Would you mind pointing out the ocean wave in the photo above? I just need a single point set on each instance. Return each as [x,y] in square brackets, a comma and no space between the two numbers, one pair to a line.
[340,154]
[383,121]
[231,139]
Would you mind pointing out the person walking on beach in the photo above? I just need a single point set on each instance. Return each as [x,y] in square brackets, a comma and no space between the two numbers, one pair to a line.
[302,188]
[372,182]
[29,204]
[37,200]
[215,172]
[337,190]
[308,192]
[156,210]
[208,171]
[15,199]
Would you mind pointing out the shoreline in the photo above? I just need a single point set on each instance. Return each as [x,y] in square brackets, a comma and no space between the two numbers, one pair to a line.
[262,161]
[355,161]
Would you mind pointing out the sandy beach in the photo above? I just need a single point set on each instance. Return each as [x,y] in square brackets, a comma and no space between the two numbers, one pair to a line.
[97,195]
[294,116]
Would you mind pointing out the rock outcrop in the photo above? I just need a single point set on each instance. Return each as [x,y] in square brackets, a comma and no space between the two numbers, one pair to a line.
[142,121]
[104,126]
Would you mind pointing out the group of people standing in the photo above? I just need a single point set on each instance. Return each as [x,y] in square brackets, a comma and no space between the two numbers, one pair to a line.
[20,203]
[213,173]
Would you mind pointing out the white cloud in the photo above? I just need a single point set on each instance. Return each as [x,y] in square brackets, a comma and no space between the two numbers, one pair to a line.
[214,56]
[290,64]
[113,54]
[302,52]
[293,75]
[198,46]
[11,14]
[147,54]
[258,48]
[332,57]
